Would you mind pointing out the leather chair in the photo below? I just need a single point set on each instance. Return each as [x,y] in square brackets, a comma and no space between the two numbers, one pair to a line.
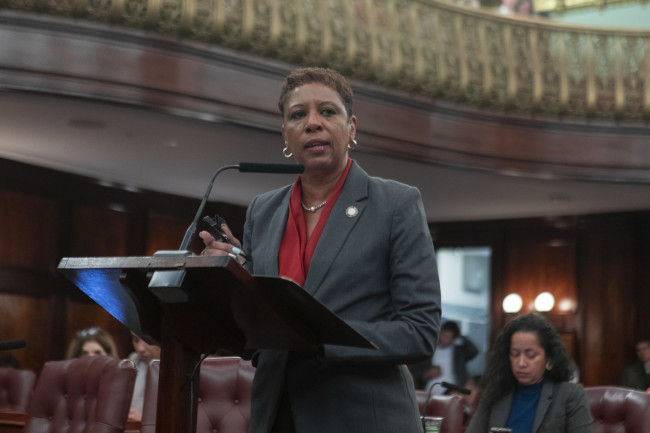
[619,410]
[224,396]
[16,387]
[91,394]
[450,407]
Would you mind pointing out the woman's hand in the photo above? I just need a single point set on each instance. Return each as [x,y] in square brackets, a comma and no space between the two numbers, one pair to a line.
[218,248]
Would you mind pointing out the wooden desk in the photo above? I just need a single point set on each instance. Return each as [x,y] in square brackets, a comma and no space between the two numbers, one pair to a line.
[12,422]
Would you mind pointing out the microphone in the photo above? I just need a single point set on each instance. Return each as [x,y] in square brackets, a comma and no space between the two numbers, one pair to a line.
[447,385]
[14,344]
[243,167]
[452,387]
[258,167]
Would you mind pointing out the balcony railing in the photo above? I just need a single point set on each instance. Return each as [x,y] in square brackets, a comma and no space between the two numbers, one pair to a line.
[428,48]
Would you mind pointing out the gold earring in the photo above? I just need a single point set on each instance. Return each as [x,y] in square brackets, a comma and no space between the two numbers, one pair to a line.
[549,365]
[287,155]
[354,144]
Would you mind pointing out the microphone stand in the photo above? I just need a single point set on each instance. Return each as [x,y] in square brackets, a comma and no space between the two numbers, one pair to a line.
[192,228]
[243,167]
[172,278]
[446,385]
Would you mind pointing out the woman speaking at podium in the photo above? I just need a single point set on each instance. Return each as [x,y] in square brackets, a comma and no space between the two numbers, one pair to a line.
[362,247]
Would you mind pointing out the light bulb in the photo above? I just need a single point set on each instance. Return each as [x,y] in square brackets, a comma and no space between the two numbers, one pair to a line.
[512,303]
[544,302]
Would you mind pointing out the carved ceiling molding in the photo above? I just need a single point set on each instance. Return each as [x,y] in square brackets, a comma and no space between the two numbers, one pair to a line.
[73,58]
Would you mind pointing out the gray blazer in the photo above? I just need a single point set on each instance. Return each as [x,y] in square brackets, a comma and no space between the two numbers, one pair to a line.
[563,408]
[376,270]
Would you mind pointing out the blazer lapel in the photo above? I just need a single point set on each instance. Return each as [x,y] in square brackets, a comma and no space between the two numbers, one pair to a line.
[544,403]
[500,411]
[344,215]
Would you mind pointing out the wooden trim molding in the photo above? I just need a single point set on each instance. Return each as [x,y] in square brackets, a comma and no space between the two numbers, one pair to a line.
[183,77]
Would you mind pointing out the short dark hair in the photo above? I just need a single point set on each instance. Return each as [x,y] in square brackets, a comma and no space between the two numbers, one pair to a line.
[451,326]
[326,76]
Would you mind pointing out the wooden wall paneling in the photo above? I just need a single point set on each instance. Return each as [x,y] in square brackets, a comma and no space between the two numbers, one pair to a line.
[497,315]
[546,265]
[47,215]
[608,308]
[84,315]
[642,295]
[136,236]
[23,317]
[57,325]
[166,232]
[28,228]
[98,231]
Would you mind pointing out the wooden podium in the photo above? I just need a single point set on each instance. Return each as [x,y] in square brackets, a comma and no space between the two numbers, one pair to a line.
[196,305]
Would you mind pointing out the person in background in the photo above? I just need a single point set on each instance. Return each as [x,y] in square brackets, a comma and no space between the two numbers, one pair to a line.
[449,362]
[91,342]
[637,375]
[526,385]
[362,247]
[519,7]
[141,357]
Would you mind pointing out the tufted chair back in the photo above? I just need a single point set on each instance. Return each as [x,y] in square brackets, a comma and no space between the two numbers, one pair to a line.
[16,388]
[224,396]
[619,410]
[450,407]
[91,394]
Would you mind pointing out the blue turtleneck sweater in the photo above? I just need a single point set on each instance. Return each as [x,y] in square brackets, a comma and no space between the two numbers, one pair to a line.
[524,407]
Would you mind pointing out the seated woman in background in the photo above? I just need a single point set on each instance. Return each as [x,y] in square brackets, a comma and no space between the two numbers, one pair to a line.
[526,385]
[91,342]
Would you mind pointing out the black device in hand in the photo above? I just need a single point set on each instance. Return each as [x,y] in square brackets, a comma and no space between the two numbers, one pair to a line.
[213,226]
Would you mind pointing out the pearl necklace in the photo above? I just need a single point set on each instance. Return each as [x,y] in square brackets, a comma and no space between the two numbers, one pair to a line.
[312,208]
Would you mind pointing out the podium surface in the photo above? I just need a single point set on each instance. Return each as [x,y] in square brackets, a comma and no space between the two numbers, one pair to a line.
[198,305]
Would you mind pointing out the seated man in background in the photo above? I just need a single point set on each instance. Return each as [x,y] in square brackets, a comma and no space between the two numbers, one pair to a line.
[143,354]
[637,375]
[449,360]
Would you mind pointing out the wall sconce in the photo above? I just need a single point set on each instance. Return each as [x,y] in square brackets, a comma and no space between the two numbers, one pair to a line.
[512,303]
[544,302]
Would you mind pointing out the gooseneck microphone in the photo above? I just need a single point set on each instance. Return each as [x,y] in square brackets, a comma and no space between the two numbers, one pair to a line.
[447,385]
[452,387]
[258,167]
[14,344]
[243,167]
